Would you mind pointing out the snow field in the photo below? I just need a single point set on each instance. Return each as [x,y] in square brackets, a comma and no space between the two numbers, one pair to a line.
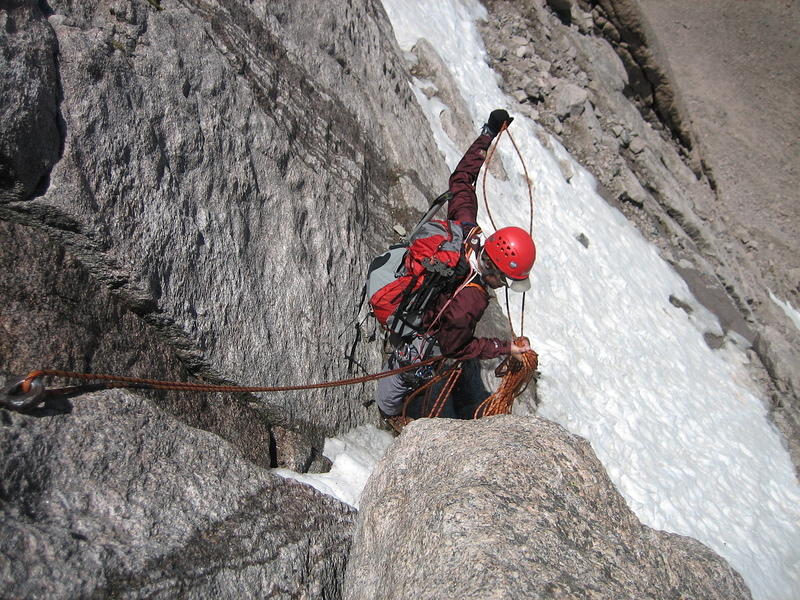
[354,456]
[789,310]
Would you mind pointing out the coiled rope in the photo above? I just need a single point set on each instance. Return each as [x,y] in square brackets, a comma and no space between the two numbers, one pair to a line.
[517,373]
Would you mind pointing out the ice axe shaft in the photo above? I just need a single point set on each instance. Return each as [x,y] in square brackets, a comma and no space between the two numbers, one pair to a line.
[435,206]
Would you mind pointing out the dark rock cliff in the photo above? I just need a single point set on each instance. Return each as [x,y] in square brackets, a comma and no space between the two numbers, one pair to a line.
[191,189]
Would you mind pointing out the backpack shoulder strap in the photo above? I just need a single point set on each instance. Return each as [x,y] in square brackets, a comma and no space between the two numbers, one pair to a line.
[475,284]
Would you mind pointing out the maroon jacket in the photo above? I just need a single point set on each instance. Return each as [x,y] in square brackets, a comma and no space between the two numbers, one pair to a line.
[455,330]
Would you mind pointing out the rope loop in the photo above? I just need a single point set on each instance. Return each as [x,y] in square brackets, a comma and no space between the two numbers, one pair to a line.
[517,373]
[529,183]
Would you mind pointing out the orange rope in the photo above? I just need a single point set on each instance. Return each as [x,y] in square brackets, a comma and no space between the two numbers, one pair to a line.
[445,393]
[517,374]
[441,398]
[492,150]
[528,181]
[117,381]
[419,390]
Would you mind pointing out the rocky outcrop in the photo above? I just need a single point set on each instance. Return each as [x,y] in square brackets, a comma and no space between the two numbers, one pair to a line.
[514,508]
[594,75]
[192,189]
[117,499]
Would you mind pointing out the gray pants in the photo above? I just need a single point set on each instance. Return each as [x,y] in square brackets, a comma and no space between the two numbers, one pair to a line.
[392,391]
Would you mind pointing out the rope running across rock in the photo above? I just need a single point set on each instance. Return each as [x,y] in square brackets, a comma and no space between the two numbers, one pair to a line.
[27,391]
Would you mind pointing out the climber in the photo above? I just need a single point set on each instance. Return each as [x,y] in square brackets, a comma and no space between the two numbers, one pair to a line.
[504,259]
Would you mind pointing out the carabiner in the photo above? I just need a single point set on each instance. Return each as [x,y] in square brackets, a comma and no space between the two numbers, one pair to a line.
[12,396]
[511,364]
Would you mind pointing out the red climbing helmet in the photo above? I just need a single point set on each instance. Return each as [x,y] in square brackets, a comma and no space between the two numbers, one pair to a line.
[512,251]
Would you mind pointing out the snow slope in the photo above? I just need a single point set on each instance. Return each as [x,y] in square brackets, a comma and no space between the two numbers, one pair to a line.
[789,310]
[677,425]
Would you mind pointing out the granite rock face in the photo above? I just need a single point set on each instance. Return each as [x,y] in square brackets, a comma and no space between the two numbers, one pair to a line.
[227,169]
[510,507]
[117,499]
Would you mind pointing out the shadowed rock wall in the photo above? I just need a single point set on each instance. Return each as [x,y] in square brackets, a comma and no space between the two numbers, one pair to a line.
[55,312]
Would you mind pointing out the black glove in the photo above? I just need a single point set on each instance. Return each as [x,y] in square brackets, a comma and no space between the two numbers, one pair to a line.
[497,119]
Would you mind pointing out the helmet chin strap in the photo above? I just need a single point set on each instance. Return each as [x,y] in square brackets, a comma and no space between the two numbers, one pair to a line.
[481,268]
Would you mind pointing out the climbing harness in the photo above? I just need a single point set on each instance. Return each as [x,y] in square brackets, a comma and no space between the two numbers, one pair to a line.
[28,391]
[433,407]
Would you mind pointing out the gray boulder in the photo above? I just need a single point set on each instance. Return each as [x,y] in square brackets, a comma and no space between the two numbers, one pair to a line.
[510,507]
[119,500]
[568,99]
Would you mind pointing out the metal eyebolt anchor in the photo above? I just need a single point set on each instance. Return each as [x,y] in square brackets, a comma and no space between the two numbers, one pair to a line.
[13,397]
